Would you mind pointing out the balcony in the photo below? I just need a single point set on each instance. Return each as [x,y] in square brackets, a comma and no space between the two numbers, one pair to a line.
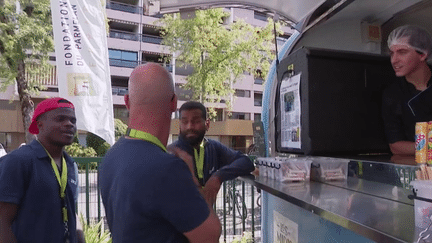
[123,35]
[151,39]
[119,91]
[230,127]
[258,81]
[260,16]
[132,64]
[124,7]
[122,63]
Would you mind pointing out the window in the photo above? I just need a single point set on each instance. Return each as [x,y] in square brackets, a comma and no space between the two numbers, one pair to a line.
[242,93]
[183,94]
[124,55]
[175,115]
[257,99]
[121,58]
[238,143]
[260,16]
[258,76]
[257,117]
[219,115]
[130,56]
[121,113]
[116,54]
[240,116]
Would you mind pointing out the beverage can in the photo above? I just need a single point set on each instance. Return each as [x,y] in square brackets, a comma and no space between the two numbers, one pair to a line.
[421,132]
[429,143]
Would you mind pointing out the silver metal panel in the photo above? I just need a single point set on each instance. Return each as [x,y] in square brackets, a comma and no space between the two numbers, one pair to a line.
[376,218]
[375,189]
[293,10]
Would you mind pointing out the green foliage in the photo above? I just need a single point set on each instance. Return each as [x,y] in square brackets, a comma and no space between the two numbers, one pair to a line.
[97,143]
[95,233]
[26,37]
[245,238]
[77,150]
[219,54]
[119,128]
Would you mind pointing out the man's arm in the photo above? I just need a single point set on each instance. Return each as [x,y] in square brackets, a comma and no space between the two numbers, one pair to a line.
[231,163]
[8,212]
[211,189]
[403,148]
[208,231]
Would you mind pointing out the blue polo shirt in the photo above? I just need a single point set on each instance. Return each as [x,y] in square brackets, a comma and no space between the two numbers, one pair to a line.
[219,160]
[28,180]
[149,195]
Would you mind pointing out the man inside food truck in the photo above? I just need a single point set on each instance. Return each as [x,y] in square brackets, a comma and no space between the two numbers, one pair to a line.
[409,99]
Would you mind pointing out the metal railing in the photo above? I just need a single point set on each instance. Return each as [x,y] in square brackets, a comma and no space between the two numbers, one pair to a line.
[132,64]
[124,35]
[237,203]
[123,7]
[151,39]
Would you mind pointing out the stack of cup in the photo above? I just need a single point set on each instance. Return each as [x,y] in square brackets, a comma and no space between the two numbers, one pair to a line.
[423,153]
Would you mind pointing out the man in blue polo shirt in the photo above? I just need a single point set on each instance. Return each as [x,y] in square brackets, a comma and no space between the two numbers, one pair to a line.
[150,195]
[214,163]
[38,182]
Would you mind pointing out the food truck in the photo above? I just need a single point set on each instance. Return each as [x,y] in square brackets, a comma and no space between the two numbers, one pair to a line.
[327,174]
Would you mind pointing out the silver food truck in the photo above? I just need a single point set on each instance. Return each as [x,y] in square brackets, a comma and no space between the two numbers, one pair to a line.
[326,170]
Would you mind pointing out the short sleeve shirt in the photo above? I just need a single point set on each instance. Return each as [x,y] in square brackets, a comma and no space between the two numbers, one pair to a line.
[149,195]
[27,179]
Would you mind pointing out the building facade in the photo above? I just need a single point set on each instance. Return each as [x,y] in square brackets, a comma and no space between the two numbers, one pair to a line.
[134,39]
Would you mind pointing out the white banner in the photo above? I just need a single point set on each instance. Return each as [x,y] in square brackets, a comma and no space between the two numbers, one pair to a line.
[83,64]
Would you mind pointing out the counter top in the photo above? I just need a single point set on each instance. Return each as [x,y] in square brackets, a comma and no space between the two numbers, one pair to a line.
[378,211]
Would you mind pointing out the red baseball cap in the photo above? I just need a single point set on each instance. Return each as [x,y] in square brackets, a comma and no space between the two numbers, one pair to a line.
[45,106]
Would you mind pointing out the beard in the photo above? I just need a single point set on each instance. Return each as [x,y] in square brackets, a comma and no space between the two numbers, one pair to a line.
[195,140]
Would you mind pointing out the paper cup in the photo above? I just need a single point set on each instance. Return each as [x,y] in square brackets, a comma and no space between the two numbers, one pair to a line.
[422,209]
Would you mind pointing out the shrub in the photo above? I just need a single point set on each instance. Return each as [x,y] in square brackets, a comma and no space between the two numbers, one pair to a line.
[97,143]
[95,233]
[77,150]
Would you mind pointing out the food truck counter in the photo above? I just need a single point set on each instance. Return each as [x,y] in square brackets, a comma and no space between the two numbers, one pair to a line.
[357,209]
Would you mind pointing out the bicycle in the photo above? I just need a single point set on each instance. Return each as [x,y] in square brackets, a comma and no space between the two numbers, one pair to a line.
[258,200]
[234,199]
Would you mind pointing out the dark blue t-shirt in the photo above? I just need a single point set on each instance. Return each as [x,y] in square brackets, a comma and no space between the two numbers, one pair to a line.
[28,180]
[149,195]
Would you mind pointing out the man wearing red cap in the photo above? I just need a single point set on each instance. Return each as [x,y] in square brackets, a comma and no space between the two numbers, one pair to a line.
[37,181]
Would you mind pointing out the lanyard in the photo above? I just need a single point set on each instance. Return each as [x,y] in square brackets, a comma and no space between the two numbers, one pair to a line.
[62,182]
[199,160]
[146,137]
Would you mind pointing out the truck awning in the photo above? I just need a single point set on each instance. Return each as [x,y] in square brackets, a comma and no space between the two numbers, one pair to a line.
[291,10]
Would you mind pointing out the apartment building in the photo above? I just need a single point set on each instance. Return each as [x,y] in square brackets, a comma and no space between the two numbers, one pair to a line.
[134,39]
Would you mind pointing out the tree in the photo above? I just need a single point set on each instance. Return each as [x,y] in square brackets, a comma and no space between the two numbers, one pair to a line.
[119,128]
[99,144]
[25,42]
[219,54]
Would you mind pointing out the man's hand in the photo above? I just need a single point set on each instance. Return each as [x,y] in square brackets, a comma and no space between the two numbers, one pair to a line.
[211,189]
[187,158]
